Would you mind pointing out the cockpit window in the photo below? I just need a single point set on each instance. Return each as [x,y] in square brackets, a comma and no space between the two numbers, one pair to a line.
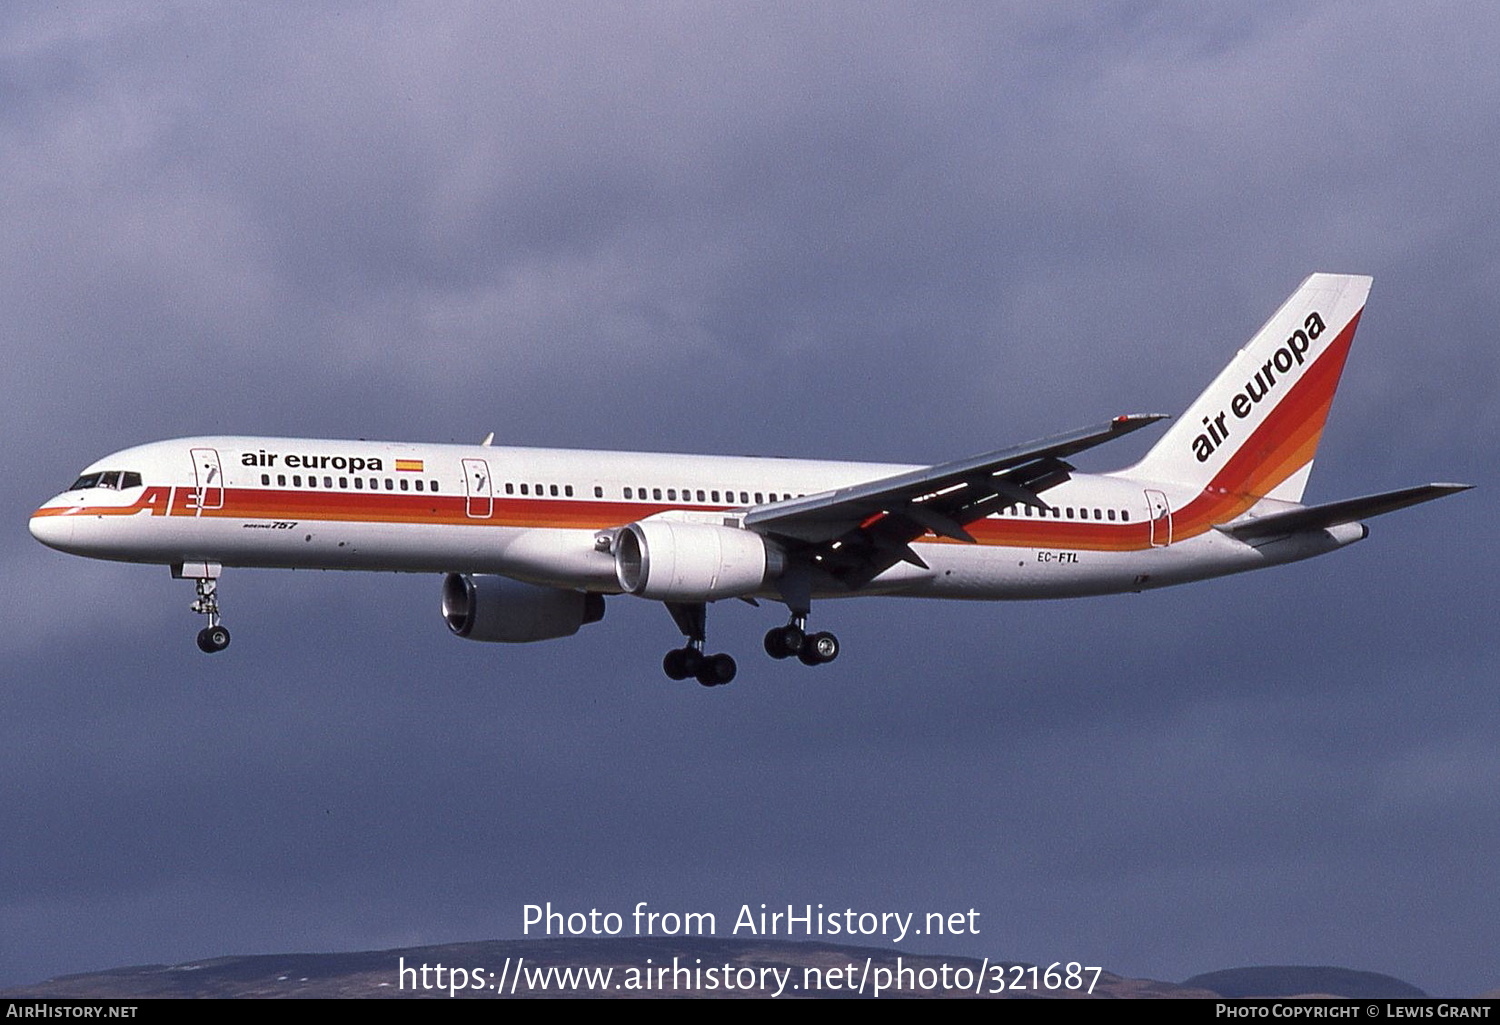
[115,480]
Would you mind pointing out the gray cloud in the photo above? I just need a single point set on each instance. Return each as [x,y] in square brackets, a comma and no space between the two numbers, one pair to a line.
[863,231]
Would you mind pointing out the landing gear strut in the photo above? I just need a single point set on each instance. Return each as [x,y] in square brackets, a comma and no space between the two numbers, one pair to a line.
[690,661]
[793,639]
[213,637]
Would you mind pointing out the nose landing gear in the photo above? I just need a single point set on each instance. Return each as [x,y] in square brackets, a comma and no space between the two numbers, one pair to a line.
[215,636]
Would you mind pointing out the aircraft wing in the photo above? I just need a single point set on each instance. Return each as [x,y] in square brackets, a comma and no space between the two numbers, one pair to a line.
[862,530]
[1330,514]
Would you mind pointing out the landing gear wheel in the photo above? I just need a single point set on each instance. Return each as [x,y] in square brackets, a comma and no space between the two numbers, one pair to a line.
[212,639]
[818,649]
[682,663]
[784,641]
[675,663]
[716,670]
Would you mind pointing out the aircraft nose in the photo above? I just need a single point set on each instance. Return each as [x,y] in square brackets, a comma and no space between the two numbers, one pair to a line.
[52,529]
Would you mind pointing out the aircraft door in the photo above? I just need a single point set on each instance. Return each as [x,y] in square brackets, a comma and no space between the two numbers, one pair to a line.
[477,489]
[208,479]
[1161,518]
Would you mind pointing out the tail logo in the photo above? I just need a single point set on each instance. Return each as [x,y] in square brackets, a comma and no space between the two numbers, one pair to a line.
[1293,352]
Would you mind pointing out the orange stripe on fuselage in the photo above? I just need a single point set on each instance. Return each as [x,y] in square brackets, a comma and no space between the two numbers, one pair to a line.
[1278,448]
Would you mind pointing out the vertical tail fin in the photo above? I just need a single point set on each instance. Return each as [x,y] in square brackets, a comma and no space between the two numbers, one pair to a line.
[1255,429]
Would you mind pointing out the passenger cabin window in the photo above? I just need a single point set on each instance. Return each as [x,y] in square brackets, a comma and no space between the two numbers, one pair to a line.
[627,492]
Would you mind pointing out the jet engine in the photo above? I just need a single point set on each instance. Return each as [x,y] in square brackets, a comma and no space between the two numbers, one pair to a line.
[495,608]
[675,561]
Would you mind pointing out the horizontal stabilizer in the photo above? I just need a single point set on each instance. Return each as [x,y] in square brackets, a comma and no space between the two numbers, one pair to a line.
[1319,517]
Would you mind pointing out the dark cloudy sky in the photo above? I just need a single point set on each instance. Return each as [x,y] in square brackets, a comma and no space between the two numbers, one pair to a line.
[848,230]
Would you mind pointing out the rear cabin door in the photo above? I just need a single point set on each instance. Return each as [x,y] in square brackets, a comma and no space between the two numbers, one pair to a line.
[1161,518]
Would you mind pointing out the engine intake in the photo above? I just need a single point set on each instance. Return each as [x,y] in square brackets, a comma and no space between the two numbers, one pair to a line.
[495,608]
[672,561]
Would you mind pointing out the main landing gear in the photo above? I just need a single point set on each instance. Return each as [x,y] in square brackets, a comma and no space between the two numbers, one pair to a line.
[689,660]
[793,639]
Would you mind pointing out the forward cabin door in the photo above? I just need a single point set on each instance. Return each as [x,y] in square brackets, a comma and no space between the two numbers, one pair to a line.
[208,479]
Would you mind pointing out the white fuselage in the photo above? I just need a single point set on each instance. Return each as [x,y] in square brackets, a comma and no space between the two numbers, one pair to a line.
[549,516]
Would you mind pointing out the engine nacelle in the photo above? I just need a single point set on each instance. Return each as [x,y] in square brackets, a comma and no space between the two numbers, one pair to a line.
[494,608]
[674,561]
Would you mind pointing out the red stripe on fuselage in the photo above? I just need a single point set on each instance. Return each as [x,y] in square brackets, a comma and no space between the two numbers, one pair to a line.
[1278,448]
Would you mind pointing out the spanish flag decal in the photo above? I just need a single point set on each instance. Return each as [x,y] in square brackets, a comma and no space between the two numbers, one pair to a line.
[414,465]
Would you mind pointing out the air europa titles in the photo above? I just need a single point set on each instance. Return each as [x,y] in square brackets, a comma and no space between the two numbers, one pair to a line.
[308,462]
[1293,352]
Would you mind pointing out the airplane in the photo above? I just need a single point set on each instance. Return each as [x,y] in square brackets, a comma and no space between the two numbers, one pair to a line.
[530,541]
